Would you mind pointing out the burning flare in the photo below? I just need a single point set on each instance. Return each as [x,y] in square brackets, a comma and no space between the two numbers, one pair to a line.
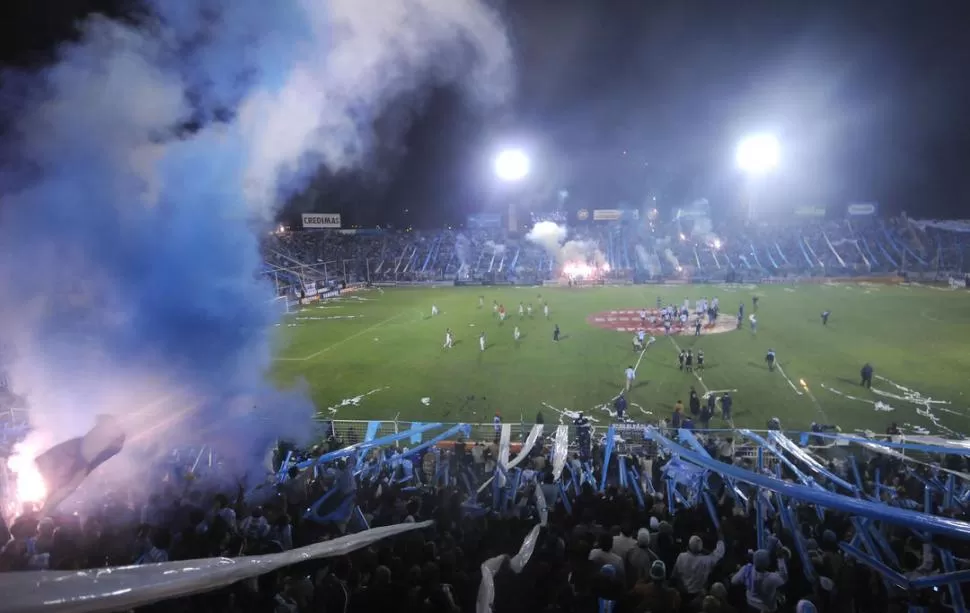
[30,484]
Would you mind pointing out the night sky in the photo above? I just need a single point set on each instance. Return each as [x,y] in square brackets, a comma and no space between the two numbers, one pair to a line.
[621,101]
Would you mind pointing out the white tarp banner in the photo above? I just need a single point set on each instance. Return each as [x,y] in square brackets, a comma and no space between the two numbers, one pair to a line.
[486,589]
[127,587]
[524,452]
[504,443]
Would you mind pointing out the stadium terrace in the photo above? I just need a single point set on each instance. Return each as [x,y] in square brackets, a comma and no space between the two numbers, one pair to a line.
[627,415]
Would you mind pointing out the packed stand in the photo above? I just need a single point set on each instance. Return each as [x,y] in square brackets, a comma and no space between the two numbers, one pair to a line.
[606,548]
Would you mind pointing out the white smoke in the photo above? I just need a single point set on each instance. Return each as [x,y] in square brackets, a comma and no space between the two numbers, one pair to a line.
[649,261]
[142,296]
[552,237]
[496,248]
[670,257]
[548,235]
[584,251]
[463,249]
[363,54]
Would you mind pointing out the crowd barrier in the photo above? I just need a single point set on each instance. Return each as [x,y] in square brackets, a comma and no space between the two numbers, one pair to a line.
[631,437]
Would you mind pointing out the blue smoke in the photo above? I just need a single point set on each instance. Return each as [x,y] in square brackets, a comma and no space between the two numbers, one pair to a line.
[143,168]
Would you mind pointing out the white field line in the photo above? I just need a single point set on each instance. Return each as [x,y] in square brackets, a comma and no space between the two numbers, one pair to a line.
[635,367]
[693,372]
[792,385]
[341,342]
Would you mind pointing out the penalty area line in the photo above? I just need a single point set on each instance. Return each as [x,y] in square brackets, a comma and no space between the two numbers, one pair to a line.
[341,342]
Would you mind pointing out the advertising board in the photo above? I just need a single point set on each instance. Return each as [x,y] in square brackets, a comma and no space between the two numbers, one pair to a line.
[860,209]
[484,221]
[315,221]
[616,214]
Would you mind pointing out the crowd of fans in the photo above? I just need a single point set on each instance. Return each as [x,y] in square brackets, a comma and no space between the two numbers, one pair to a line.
[823,248]
[600,550]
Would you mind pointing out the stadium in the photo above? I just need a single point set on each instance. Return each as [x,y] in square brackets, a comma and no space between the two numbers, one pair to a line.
[619,371]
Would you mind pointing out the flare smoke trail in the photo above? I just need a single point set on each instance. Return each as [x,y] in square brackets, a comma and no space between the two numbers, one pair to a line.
[142,169]
[463,248]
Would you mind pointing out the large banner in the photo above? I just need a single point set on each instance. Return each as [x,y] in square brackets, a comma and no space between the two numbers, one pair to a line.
[321,220]
[616,214]
[484,221]
[861,209]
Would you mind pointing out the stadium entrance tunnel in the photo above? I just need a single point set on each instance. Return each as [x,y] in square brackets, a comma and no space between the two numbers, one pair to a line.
[629,320]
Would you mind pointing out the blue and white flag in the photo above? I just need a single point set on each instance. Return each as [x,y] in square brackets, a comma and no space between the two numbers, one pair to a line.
[66,465]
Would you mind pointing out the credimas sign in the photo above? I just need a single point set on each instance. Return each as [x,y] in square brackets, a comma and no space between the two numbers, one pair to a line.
[321,220]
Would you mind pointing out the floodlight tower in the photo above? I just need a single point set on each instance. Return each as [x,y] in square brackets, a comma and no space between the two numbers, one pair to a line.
[512,166]
[756,156]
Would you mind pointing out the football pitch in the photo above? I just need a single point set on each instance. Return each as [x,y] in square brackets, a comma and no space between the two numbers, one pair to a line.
[379,353]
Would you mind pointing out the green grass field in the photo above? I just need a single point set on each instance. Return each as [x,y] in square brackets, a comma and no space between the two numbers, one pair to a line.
[378,353]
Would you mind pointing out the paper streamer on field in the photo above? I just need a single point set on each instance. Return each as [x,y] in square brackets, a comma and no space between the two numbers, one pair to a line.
[560,449]
[127,587]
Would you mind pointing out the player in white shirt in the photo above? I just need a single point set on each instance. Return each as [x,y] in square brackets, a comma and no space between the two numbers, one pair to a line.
[637,343]
[641,336]
[714,302]
[516,333]
[434,310]
[630,376]
[495,306]
[449,339]
[643,315]
[481,341]
[521,310]
[545,310]
[529,310]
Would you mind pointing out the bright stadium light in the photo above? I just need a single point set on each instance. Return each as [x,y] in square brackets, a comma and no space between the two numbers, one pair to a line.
[758,154]
[512,165]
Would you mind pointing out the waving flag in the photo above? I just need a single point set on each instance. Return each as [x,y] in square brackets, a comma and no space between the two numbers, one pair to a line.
[65,466]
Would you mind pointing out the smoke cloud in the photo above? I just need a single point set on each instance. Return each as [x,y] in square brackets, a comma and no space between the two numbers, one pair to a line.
[552,237]
[496,248]
[548,235]
[142,169]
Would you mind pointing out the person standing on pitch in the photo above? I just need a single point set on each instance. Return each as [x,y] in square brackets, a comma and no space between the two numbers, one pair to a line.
[866,375]
[516,334]
[726,402]
[620,405]
[555,333]
[770,359]
[630,376]
[481,341]
[825,317]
